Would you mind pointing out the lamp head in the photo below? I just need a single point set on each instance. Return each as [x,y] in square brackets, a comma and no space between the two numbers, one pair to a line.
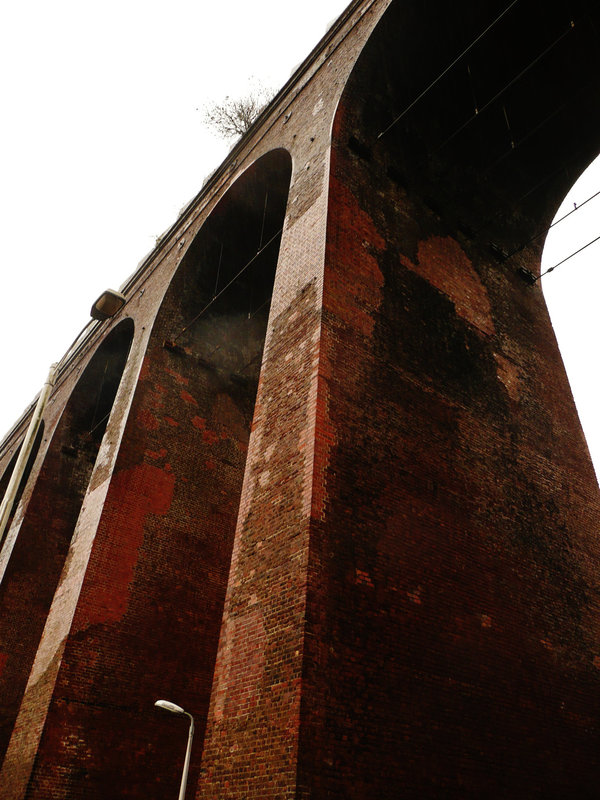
[168,706]
[107,305]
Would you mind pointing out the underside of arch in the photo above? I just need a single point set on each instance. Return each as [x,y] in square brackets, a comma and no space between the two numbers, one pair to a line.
[487,111]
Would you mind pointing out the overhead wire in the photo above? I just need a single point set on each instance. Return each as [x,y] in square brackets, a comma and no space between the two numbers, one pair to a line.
[218,270]
[262,228]
[551,269]
[478,111]
[447,69]
[516,144]
[97,425]
[511,150]
[260,308]
[578,207]
[532,190]
[549,176]
[224,289]
[99,397]
[473,95]
[524,71]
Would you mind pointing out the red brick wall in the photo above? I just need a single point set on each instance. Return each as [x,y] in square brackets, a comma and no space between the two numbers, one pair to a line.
[148,617]
[411,603]
[38,556]
[452,637]
[252,737]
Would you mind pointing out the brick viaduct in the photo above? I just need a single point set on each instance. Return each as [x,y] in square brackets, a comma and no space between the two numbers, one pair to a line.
[321,481]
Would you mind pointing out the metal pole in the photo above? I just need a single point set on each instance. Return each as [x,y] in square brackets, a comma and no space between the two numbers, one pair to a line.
[186,763]
[21,465]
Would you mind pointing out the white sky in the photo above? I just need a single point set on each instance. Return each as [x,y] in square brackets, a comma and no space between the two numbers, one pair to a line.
[572,293]
[102,142]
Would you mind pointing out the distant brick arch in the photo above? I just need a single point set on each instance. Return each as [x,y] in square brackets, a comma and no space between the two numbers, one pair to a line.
[36,561]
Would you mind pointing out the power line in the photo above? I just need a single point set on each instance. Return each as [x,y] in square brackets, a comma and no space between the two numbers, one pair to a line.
[549,176]
[233,280]
[549,228]
[448,68]
[551,269]
[479,111]
[534,130]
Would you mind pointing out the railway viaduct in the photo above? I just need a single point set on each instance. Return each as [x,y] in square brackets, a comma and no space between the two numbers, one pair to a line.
[321,480]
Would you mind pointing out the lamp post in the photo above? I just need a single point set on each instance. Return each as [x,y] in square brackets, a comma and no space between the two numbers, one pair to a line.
[174,709]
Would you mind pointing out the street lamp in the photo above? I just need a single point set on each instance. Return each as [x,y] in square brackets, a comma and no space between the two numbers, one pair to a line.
[174,709]
[107,305]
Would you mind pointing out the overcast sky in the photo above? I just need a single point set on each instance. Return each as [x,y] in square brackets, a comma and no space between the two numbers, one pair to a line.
[103,142]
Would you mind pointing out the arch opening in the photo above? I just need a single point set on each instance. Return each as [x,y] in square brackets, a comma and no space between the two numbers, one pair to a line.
[479,131]
[40,549]
[220,315]
[174,499]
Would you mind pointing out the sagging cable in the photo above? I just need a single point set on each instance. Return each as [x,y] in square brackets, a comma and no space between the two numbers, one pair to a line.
[173,344]
[554,224]
[551,269]
[499,94]
[448,68]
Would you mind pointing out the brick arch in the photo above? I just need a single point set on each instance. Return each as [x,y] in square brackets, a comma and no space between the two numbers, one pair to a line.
[412,434]
[460,601]
[36,561]
[496,138]
[149,612]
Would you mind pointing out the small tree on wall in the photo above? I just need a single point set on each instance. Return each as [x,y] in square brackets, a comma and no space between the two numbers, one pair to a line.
[233,116]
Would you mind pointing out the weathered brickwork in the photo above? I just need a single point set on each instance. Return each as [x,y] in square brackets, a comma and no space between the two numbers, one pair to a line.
[151,603]
[256,695]
[440,600]
[325,486]
[33,572]
[452,620]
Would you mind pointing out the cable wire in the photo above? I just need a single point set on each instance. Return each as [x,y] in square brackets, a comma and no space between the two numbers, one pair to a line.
[551,269]
[448,68]
[233,280]
[526,69]
[549,228]
[511,151]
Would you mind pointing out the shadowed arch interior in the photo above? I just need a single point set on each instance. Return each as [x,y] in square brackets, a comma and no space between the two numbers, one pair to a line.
[149,627]
[507,126]
[41,547]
